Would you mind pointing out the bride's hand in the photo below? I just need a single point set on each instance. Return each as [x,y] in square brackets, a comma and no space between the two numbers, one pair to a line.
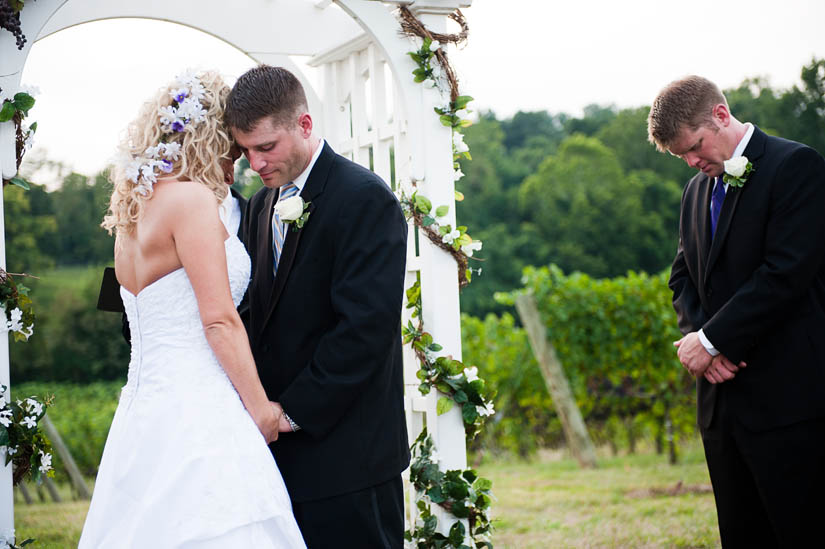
[268,423]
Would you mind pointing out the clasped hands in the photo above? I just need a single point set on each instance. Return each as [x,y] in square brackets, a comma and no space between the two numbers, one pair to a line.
[273,423]
[699,362]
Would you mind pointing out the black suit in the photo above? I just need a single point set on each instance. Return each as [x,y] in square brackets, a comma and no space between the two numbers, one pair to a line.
[757,289]
[326,338]
[109,297]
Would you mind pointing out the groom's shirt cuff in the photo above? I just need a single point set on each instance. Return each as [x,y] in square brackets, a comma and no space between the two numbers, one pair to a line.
[707,344]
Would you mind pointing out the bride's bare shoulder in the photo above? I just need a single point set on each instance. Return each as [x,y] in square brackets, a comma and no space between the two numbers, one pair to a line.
[183,195]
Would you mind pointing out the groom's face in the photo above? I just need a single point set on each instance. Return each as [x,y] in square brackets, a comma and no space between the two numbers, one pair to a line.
[702,149]
[278,152]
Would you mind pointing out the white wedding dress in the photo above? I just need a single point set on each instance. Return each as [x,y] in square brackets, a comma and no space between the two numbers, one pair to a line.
[184,464]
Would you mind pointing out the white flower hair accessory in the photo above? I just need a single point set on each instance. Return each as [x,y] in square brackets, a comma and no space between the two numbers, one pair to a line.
[185,111]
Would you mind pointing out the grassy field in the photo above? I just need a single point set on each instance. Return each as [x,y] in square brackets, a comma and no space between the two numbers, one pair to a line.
[629,501]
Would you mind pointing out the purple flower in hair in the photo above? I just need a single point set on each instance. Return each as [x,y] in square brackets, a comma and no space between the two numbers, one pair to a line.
[180,96]
[166,166]
[177,126]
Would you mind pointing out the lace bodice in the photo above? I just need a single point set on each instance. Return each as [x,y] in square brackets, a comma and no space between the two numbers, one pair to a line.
[168,340]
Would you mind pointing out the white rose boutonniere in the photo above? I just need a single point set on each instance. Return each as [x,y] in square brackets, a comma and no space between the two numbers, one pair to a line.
[737,171]
[293,210]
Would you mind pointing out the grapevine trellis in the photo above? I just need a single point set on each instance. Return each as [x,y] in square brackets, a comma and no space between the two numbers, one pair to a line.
[407,128]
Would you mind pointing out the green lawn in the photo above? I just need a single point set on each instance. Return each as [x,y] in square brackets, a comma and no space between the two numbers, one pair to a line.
[626,502]
[547,503]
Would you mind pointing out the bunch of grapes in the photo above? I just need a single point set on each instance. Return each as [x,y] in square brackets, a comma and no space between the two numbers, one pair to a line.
[10,20]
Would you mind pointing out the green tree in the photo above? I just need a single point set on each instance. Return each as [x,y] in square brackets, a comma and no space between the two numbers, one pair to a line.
[26,231]
[626,135]
[595,218]
[79,206]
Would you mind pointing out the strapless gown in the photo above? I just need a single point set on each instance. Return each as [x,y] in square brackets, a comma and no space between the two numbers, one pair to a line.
[184,464]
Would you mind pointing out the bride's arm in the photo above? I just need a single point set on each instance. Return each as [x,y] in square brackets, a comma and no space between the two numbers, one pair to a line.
[199,236]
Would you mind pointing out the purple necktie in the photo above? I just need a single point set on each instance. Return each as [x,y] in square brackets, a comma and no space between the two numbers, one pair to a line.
[716,204]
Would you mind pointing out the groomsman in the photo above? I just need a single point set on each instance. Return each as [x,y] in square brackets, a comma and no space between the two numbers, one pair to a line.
[748,287]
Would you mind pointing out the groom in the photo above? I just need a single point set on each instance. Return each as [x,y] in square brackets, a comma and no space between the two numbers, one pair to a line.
[325,317]
[748,287]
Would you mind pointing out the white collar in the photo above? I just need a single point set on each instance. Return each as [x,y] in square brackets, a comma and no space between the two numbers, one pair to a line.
[740,148]
[743,143]
[301,180]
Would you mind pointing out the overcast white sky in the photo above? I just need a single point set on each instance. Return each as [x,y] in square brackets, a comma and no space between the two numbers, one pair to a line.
[522,55]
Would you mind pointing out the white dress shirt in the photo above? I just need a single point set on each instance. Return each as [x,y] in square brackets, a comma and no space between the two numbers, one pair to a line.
[230,213]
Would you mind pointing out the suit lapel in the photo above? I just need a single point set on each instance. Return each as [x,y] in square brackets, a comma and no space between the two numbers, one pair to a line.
[703,219]
[242,202]
[316,182]
[754,150]
[264,253]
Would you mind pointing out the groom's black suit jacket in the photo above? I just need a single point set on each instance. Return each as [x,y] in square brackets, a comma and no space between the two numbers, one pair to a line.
[326,332]
[758,287]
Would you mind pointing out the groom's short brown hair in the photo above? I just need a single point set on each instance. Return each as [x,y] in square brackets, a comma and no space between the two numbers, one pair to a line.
[685,103]
[264,91]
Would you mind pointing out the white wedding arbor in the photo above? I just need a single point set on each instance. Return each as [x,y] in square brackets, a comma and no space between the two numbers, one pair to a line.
[367,106]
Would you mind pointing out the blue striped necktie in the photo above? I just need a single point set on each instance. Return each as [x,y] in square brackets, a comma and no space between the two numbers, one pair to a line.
[278,227]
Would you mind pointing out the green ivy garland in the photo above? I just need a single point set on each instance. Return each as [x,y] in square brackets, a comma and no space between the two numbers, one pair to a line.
[16,110]
[460,493]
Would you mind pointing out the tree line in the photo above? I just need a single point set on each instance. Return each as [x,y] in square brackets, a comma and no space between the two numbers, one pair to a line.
[590,193]
[586,193]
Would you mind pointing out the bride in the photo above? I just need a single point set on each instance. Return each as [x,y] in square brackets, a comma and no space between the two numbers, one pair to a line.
[186,462]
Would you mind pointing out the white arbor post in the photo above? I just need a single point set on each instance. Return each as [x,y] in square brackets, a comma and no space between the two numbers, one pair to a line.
[11,69]
[368,107]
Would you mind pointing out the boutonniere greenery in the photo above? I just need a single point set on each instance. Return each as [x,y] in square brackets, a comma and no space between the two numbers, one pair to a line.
[293,211]
[737,171]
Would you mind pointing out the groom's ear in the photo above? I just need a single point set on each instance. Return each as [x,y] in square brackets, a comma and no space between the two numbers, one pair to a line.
[721,115]
[305,124]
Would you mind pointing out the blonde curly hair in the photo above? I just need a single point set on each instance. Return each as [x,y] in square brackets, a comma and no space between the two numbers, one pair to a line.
[203,146]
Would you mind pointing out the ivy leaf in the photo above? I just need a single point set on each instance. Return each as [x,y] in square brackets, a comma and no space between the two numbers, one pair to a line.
[457,532]
[483,484]
[446,120]
[423,204]
[20,182]
[23,102]
[4,437]
[461,101]
[427,221]
[470,476]
[445,404]
[460,510]
[7,112]
[416,57]
[469,414]
[460,397]
[424,389]
[441,211]
[464,239]
[33,127]
[436,495]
